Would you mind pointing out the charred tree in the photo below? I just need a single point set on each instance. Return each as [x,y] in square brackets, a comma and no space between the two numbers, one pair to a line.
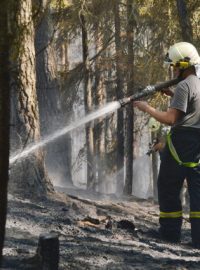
[129,108]
[28,175]
[58,153]
[88,104]
[155,168]
[185,24]
[99,100]
[4,117]
[119,95]
[110,120]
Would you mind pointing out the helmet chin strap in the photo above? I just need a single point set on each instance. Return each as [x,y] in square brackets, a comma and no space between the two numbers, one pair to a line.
[180,76]
[190,70]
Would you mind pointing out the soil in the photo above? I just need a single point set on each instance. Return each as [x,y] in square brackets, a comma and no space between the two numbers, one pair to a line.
[95,232]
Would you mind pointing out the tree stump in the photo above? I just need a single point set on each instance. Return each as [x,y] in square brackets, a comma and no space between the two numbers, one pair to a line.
[48,251]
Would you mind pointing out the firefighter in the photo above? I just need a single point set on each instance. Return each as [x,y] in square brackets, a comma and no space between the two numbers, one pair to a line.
[180,159]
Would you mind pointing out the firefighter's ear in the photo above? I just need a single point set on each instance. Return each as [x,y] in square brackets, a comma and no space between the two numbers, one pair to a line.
[167,91]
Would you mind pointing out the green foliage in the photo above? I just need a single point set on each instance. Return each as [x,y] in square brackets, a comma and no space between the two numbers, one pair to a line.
[156,27]
[60,3]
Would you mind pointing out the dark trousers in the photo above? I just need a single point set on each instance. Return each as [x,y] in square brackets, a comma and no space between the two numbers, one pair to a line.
[170,182]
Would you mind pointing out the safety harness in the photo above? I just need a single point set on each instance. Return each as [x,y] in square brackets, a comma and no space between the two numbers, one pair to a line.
[178,214]
[175,155]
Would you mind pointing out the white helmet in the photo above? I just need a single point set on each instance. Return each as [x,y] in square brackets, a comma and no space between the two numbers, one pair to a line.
[183,52]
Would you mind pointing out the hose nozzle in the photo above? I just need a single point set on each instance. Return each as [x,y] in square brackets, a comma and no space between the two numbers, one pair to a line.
[124,101]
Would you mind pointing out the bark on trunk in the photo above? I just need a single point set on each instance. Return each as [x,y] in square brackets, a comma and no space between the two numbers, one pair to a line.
[185,24]
[119,95]
[99,129]
[58,153]
[129,109]
[4,117]
[28,176]
[155,168]
[88,104]
[110,120]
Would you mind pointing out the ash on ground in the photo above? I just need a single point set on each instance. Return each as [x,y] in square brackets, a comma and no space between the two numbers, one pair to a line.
[95,232]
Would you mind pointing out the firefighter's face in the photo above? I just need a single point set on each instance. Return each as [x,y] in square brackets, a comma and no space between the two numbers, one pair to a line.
[176,71]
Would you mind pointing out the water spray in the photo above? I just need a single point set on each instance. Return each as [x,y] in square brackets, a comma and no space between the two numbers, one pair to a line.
[148,90]
[107,109]
[104,110]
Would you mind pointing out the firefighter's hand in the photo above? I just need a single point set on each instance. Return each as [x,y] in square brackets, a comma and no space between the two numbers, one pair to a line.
[158,146]
[141,105]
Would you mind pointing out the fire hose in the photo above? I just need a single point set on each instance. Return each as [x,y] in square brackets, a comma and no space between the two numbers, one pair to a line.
[148,90]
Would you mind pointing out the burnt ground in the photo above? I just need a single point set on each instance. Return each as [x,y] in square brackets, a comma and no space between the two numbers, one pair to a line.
[102,232]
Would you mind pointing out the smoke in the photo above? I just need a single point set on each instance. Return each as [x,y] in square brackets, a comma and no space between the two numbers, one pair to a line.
[142,186]
[142,178]
[108,108]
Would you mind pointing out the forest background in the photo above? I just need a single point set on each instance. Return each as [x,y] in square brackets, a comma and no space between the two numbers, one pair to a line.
[122,45]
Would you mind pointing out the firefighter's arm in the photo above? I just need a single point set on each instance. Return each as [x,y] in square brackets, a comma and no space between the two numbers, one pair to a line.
[169,117]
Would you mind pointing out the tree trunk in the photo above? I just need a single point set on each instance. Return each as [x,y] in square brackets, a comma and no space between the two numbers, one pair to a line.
[4,117]
[129,109]
[88,104]
[28,176]
[58,153]
[155,168]
[99,129]
[110,120]
[184,20]
[119,95]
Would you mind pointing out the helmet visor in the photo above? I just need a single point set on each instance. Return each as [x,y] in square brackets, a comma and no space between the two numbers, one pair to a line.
[167,60]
